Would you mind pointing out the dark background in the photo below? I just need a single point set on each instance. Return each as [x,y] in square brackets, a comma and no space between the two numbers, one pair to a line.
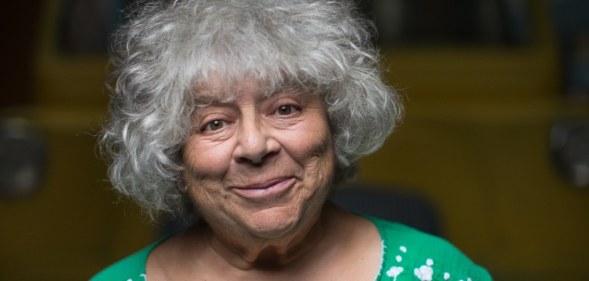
[494,140]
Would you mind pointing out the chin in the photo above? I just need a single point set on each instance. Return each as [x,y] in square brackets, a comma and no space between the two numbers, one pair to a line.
[276,222]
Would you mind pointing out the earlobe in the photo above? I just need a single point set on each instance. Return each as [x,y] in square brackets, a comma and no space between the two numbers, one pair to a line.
[182,186]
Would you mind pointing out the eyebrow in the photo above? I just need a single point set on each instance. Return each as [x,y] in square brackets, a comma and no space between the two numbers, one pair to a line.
[200,101]
[208,97]
[204,97]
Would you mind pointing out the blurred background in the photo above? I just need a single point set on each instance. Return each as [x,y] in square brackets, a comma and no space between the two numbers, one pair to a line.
[495,141]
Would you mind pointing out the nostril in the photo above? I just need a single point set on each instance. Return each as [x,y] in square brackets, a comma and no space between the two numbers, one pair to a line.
[256,142]
[257,159]
[250,160]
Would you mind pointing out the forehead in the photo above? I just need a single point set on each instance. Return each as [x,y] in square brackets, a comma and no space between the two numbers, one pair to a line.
[216,89]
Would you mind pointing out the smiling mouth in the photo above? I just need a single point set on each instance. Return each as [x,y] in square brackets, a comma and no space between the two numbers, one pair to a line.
[270,190]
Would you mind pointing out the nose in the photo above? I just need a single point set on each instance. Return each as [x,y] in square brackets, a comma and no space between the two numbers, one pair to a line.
[255,144]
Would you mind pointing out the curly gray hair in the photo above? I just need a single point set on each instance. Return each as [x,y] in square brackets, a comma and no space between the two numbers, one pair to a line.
[165,49]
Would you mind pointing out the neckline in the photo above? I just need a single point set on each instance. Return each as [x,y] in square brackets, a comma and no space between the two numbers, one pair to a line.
[375,221]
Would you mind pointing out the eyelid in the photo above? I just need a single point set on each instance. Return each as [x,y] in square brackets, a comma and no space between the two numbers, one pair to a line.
[295,108]
[292,100]
[204,120]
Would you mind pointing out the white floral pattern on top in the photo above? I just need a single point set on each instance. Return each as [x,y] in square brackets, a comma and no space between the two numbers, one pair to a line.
[394,271]
[423,273]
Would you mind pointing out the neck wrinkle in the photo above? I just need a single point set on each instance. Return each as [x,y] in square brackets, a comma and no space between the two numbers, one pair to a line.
[263,254]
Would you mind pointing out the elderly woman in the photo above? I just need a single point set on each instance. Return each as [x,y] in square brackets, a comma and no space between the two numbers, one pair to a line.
[239,116]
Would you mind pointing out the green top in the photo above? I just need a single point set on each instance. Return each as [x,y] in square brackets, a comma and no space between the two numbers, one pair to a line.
[409,255]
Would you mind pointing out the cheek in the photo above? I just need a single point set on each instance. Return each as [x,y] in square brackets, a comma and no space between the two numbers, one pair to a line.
[204,167]
[205,160]
[312,146]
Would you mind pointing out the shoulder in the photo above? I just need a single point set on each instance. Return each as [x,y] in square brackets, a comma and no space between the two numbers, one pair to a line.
[410,253]
[131,268]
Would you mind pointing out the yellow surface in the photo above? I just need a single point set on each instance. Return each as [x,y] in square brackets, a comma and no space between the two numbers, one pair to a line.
[72,226]
[497,192]
[75,225]
[476,141]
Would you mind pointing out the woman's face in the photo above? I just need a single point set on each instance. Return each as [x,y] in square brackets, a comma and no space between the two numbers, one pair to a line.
[258,163]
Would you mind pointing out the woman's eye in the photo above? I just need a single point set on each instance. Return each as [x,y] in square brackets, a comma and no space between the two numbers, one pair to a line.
[214,125]
[286,109]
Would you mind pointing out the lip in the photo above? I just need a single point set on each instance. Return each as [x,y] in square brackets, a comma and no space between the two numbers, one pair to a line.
[265,191]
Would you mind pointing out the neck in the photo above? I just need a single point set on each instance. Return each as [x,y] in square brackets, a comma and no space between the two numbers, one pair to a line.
[248,252]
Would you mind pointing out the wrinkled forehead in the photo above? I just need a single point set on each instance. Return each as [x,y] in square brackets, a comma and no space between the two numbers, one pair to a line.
[222,89]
